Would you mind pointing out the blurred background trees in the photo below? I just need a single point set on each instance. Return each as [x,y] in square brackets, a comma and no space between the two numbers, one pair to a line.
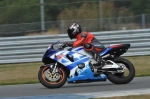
[19,13]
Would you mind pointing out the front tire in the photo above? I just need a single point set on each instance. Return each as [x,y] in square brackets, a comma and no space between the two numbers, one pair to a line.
[49,80]
[119,78]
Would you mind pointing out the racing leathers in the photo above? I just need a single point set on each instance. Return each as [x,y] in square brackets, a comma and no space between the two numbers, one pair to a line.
[90,44]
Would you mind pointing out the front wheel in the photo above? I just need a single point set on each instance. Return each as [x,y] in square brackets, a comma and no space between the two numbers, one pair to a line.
[122,78]
[52,80]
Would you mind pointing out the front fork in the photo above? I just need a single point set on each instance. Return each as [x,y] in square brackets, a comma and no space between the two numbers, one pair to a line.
[52,67]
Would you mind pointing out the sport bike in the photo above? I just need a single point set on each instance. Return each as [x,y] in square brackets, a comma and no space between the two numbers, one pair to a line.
[74,65]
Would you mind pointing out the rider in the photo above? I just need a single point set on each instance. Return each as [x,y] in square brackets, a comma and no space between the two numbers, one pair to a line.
[87,40]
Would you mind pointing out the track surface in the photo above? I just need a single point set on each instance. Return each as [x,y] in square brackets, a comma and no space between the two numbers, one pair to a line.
[39,90]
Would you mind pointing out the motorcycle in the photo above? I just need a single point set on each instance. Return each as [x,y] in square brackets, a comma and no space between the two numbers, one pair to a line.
[74,65]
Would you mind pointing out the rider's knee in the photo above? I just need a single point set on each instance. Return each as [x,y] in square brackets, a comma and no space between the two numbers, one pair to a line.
[88,46]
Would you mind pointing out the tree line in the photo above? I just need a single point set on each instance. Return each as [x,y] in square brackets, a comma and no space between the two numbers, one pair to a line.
[26,11]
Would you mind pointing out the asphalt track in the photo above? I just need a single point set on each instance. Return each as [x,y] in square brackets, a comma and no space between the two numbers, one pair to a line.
[38,90]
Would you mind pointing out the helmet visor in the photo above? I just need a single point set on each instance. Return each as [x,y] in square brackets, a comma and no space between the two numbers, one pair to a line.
[70,33]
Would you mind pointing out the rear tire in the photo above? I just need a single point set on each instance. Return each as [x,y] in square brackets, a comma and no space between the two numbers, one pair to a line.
[119,78]
[48,80]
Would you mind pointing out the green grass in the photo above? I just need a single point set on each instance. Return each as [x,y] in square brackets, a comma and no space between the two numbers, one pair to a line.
[19,73]
[25,73]
[142,65]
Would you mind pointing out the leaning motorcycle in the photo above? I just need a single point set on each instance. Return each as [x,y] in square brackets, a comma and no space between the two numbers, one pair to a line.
[74,65]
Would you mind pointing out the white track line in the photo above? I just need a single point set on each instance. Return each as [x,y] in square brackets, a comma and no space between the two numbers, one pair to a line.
[117,93]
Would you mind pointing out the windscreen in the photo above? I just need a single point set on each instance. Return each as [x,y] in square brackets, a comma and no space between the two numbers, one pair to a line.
[57,46]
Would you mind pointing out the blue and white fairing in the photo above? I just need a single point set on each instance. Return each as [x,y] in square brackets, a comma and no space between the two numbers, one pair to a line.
[79,57]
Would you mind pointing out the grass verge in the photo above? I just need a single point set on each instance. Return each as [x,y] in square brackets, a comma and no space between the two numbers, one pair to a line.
[26,73]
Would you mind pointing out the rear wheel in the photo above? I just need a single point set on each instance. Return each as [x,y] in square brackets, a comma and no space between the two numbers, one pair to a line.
[122,78]
[52,80]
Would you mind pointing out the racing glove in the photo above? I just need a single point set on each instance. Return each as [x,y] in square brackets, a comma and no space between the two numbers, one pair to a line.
[67,44]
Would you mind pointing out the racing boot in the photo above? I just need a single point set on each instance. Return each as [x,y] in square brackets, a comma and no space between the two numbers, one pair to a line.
[100,63]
